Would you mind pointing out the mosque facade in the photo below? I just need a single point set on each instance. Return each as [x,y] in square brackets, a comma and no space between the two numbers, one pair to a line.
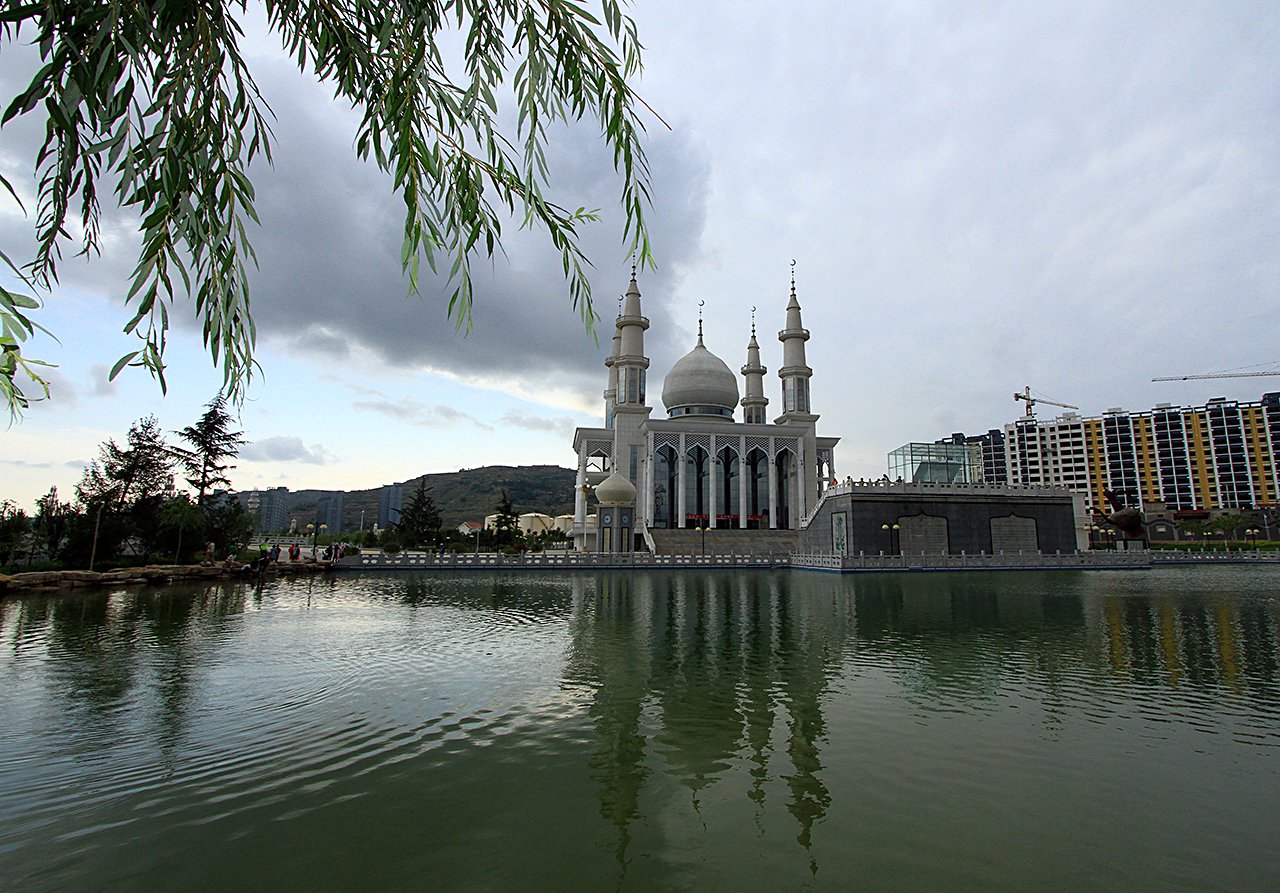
[713,461]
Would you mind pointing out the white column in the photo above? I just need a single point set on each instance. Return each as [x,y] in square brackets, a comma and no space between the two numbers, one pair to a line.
[714,495]
[648,482]
[773,488]
[684,490]
[802,479]
[742,482]
[580,505]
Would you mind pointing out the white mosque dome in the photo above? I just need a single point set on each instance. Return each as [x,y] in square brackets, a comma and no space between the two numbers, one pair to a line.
[616,490]
[700,384]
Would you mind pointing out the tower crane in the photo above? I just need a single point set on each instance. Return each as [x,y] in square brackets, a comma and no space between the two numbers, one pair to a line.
[1032,401]
[1216,375]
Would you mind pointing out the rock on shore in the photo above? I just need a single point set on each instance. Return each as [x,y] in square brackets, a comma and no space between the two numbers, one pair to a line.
[152,573]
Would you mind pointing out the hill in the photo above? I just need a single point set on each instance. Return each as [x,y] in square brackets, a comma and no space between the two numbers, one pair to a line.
[466,495]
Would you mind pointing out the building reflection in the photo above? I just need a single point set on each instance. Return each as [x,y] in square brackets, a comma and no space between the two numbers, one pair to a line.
[704,672]
[715,676]
[1191,641]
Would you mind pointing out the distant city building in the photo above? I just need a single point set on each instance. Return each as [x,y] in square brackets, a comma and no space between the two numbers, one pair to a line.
[329,511]
[270,508]
[1219,456]
[390,501]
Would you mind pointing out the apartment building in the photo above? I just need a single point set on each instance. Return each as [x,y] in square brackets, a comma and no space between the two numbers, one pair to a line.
[1217,456]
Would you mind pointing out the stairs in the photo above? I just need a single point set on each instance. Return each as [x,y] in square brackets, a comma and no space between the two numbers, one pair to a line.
[725,542]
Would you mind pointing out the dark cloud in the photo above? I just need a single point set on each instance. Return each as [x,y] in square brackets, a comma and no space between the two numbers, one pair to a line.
[518,418]
[329,249]
[283,449]
[406,409]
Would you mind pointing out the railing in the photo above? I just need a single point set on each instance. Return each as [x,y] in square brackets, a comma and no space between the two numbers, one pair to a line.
[1194,556]
[561,560]
[981,561]
[811,561]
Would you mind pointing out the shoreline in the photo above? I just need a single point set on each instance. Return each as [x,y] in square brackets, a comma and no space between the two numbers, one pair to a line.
[159,574]
[36,581]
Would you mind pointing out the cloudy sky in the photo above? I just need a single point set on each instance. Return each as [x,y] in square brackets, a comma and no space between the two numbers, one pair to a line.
[978,197]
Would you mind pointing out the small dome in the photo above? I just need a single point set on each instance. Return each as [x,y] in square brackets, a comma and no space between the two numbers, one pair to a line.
[616,490]
[700,379]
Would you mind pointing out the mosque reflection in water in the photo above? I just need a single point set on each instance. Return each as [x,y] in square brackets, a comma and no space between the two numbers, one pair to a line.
[730,669]
[713,672]
[742,700]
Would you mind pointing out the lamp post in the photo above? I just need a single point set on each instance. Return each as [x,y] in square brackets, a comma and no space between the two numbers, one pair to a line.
[704,540]
[891,529]
[1252,534]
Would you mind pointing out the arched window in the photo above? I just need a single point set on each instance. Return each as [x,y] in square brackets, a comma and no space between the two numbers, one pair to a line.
[757,507]
[698,487]
[666,487]
[785,469]
[727,495]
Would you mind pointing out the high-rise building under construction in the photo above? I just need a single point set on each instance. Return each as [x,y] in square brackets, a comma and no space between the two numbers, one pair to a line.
[1217,456]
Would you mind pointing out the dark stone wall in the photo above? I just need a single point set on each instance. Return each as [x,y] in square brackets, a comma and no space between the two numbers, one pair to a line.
[968,519]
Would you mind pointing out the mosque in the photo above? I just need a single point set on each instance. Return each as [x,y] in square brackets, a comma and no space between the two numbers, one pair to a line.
[698,467]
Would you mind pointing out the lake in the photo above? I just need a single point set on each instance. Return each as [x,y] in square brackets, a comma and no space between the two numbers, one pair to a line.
[665,730]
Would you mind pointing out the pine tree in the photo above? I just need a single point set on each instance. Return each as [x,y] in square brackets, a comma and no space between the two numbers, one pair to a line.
[507,524]
[420,520]
[123,478]
[212,443]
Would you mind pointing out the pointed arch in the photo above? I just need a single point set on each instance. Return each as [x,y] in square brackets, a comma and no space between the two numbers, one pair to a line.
[728,494]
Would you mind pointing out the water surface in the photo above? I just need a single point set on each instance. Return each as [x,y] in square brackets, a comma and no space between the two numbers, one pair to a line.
[720,730]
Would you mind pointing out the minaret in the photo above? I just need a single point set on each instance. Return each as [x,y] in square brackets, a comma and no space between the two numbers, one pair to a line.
[629,407]
[795,374]
[629,362]
[754,403]
[611,392]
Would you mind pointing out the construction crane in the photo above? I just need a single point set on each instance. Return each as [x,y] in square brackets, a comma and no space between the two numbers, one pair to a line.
[1216,375]
[1032,401]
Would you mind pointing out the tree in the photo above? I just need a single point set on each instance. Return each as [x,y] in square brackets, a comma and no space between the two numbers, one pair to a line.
[51,520]
[1231,525]
[182,514]
[155,102]
[420,520]
[14,524]
[229,524]
[506,526]
[122,478]
[1195,528]
[212,443]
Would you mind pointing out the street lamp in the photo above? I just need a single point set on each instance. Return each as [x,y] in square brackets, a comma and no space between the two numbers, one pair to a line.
[891,529]
[704,540]
[1252,534]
